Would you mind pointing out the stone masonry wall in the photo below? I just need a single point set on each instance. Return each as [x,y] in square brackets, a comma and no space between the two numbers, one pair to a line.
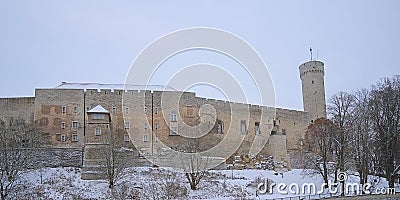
[17,108]
[57,109]
[57,121]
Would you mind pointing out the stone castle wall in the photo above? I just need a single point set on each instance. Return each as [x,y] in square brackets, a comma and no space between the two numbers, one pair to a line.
[57,109]
[21,108]
[154,122]
[293,124]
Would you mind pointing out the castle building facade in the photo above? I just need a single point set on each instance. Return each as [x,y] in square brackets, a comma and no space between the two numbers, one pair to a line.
[76,115]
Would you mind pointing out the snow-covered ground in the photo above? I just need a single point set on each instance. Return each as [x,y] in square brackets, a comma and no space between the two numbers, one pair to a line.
[66,183]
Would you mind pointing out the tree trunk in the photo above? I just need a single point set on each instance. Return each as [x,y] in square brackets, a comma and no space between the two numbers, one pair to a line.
[326,176]
[193,186]
[391,181]
[335,179]
[342,188]
[111,183]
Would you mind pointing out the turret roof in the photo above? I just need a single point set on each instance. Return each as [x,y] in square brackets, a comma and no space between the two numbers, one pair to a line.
[98,109]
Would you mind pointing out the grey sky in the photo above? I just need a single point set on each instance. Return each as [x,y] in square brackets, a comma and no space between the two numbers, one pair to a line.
[45,42]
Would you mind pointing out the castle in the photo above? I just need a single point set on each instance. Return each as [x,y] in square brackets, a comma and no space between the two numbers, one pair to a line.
[83,116]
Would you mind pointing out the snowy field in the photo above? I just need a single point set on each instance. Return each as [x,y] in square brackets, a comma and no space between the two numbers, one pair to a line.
[156,183]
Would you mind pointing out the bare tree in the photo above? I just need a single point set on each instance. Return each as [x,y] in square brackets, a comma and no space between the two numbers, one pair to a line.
[18,140]
[195,168]
[385,115]
[366,135]
[319,148]
[194,163]
[362,143]
[340,109]
[113,160]
[165,185]
[125,191]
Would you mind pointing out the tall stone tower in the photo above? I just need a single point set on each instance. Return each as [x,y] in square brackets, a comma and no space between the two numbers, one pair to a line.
[312,82]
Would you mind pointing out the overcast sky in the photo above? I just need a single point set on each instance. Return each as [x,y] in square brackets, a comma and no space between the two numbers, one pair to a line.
[45,42]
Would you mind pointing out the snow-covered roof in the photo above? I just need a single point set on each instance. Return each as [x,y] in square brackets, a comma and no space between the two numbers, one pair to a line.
[98,109]
[66,85]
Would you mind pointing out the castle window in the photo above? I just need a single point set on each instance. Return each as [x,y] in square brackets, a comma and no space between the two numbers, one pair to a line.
[145,109]
[126,138]
[126,110]
[243,128]
[87,108]
[219,127]
[274,122]
[156,126]
[97,116]
[127,125]
[74,138]
[63,109]
[114,109]
[273,132]
[257,128]
[283,131]
[173,131]
[75,125]
[312,82]
[145,125]
[75,109]
[189,110]
[172,116]
[97,131]
[63,138]
[155,110]
[62,125]
[145,138]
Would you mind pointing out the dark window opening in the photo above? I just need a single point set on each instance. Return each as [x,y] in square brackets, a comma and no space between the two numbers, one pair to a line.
[257,128]
[243,128]
[219,126]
